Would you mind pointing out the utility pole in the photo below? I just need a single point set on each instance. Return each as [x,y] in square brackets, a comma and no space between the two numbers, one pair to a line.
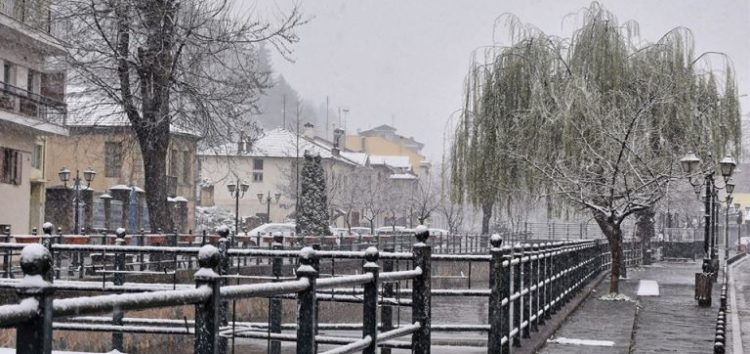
[326,128]
[296,179]
[283,111]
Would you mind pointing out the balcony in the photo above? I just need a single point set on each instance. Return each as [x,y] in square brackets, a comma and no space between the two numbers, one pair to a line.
[31,105]
[33,13]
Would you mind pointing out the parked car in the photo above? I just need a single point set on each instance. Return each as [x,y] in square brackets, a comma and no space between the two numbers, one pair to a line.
[744,244]
[286,229]
[390,230]
[339,231]
[361,230]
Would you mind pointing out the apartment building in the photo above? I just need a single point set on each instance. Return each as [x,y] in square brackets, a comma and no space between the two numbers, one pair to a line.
[383,140]
[32,109]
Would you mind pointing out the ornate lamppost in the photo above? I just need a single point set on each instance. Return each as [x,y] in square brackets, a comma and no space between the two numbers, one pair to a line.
[267,202]
[88,176]
[690,165]
[237,191]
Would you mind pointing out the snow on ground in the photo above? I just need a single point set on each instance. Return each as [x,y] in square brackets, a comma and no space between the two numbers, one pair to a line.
[615,297]
[648,288]
[577,341]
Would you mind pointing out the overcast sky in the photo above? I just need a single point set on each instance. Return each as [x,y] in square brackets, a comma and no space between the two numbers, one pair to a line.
[404,61]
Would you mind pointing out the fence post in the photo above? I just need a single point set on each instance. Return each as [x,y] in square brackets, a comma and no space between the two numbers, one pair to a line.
[526,278]
[118,279]
[47,241]
[140,242]
[35,335]
[370,300]
[542,280]
[6,255]
[517,304]
[223,232]
[207,321]
[316,266]
[554,288]
[568,261]
[386,311]
[420,296]
[495,302]
[306,323]
[275,302]
[505,290]
[534,278]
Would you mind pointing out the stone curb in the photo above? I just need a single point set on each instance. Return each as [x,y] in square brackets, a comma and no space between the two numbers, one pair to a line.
[735,322]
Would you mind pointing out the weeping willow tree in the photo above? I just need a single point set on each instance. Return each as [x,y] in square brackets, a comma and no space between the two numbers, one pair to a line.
[596,122]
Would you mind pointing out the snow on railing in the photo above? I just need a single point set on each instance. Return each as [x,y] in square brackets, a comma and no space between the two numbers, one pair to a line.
[529,283]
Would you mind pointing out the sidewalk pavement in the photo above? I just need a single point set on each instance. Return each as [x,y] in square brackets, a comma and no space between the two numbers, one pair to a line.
[670,322]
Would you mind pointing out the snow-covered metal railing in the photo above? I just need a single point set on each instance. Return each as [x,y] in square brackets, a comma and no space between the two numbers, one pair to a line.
[33,317]
[531,282]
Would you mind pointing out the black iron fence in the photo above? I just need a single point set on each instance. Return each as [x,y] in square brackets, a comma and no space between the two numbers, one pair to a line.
[528,283]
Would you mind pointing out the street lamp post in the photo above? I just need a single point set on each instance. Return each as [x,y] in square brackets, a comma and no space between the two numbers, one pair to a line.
[729,189]
[690,165]
[237,191]
[267,202]
[88,176]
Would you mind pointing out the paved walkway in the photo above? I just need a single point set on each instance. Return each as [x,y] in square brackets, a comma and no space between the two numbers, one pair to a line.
[670,322]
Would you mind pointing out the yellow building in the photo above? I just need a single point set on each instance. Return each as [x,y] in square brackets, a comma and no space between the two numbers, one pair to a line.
[383,140]
[112,151]
[31,107]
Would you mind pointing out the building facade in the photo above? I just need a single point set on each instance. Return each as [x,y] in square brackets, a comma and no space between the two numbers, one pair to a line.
[32,108]
[383,140]
[270,167]
[114,154]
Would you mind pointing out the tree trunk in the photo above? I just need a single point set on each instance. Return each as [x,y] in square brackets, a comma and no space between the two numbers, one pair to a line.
[612,231]
[154,150]
[486,217]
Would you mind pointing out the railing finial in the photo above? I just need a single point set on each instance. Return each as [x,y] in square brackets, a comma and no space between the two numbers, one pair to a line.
[372,255]
[35,259]
[120,232]
[48,228]
[223,231]
[422,233]
[496,241]
[208,257]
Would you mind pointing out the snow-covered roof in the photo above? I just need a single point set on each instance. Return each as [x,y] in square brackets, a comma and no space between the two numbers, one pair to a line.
[276,143]
[402,176]
[359,157]
[86,110]
[394,161]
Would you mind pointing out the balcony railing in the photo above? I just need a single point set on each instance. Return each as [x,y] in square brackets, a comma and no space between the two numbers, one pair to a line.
[17,100]
[34,13]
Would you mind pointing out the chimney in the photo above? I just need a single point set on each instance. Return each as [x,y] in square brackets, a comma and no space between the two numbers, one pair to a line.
[241,143]
[309,131]
[338,133]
